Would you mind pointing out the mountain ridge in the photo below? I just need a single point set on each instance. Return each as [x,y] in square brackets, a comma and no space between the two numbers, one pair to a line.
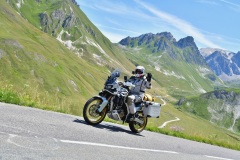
[180,60]
[225,64]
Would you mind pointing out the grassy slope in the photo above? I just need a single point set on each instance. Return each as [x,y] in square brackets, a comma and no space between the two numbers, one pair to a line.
[50,66]
[199,105]
[175,86]
[85,27]
[52,71]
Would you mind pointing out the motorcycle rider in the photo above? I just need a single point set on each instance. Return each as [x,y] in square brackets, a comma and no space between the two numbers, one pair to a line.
[140,82]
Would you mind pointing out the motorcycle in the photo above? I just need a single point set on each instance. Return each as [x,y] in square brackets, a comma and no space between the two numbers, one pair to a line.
[112,101]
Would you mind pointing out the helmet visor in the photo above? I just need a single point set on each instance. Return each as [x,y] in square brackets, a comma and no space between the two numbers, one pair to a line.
[139,71]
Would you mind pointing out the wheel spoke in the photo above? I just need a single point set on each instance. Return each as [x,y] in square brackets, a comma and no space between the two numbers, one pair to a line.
[91,114]
[137,127]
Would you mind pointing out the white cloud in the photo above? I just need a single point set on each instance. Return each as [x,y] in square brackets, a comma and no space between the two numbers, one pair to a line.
[119,29]
[181,25]
[107,6]
[233,6]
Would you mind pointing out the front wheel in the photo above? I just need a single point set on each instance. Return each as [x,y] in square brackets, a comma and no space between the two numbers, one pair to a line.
[90,111]
[137,127]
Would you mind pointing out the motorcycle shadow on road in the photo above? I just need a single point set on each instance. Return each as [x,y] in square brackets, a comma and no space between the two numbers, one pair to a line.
[108,127]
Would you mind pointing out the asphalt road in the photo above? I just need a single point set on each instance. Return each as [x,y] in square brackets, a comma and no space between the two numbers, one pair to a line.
[28,133]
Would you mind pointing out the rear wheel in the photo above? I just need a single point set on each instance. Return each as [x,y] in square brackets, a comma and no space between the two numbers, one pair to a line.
[137,127]
[90,111]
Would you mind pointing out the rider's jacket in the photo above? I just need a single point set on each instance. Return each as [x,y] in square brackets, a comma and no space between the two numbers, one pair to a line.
[141,84]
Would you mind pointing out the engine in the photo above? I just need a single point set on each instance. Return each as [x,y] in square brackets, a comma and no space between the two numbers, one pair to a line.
[119,109]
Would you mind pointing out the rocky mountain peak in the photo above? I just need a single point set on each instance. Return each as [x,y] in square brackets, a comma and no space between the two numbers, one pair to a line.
[208,51]
[186,42]
[147,39]
[75,2]
[167,35]
[225,64]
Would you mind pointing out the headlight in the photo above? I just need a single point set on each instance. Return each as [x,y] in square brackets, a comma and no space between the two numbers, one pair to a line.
[108,87]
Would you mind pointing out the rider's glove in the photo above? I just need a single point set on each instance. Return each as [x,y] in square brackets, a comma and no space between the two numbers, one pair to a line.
[149,77]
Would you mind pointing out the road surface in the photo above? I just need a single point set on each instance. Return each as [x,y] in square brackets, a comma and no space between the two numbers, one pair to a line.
[27,133]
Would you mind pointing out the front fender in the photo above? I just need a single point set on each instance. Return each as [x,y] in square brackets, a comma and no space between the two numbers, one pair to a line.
[103,104]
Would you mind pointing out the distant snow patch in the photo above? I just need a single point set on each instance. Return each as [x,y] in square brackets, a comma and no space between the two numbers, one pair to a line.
[73,84]
[169,73]
[137,49]
[225,77]
[173,74]
[17,57]
[208,51]
[89,74]
[71,9]
[19,3]
[99,60]
[203,71]
[236,113]
[157,68]
[2,53]
[196,86]
[91,42]
[69,44]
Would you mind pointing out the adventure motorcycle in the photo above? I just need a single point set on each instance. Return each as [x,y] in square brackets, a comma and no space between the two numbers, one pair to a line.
[112,101]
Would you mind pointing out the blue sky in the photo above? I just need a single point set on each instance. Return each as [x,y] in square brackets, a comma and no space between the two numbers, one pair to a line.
[212,23]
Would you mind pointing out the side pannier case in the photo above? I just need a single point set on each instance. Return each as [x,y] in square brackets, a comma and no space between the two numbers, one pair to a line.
[152,110]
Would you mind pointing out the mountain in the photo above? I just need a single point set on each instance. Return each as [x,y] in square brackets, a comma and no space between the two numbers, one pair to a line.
[207,51]
[64,20]
[51,53]
[225,64]
[221,107]
[175,64]
[178,67]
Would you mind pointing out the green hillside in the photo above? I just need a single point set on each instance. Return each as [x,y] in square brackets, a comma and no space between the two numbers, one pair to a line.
[64,20]
[221,107]
[36,65]
[177,66]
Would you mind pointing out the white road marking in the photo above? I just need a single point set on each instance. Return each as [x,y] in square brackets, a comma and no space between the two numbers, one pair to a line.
[119,147]
[218,158]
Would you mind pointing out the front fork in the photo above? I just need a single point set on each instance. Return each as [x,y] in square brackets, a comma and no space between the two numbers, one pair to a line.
[103,105]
